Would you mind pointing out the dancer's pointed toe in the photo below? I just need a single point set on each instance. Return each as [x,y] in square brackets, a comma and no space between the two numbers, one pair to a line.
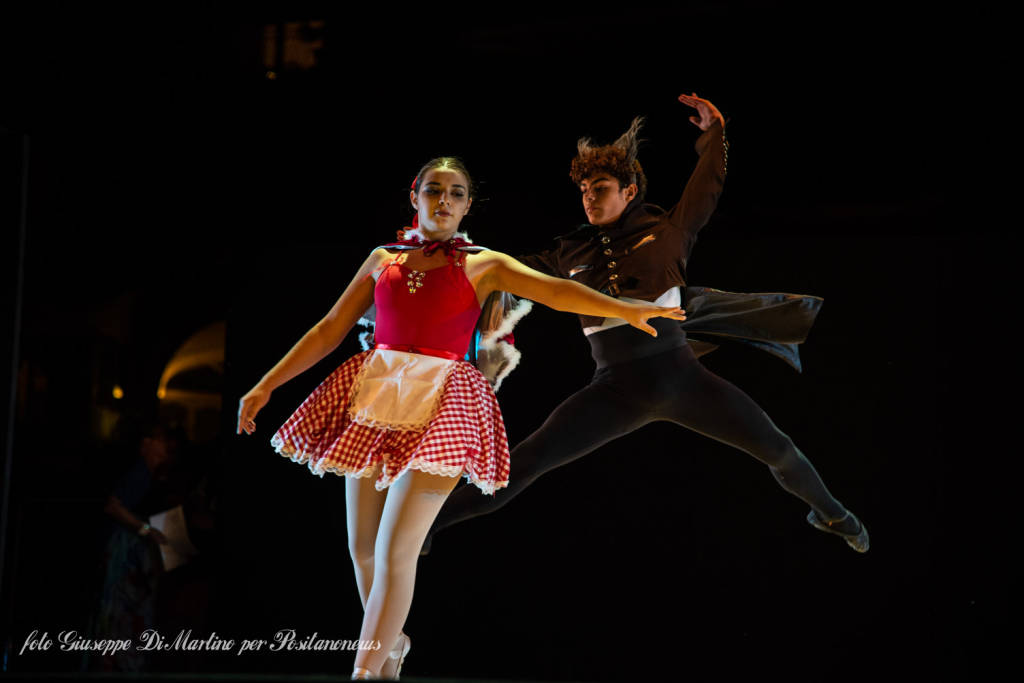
[396,658]
[858,540]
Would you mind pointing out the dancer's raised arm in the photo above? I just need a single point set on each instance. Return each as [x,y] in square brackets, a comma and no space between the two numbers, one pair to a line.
[320,340]
[700,196]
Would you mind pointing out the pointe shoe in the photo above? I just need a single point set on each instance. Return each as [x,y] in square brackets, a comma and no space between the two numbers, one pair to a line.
[401,649]
[361,674]
[858,541]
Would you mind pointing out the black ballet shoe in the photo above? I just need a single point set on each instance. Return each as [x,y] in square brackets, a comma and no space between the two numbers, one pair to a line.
[858,541]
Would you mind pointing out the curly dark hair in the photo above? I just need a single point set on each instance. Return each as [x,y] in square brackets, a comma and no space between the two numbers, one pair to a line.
[617,160]
[611,160]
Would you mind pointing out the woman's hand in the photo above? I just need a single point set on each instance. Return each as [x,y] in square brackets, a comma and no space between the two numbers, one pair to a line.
[637,315]
[707,112]
[157,536]
[248,406]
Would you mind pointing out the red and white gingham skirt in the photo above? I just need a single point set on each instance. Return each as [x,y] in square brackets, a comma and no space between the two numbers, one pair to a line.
[466,436]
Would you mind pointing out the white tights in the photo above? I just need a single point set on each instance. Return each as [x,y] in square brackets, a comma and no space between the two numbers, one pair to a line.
[385,532]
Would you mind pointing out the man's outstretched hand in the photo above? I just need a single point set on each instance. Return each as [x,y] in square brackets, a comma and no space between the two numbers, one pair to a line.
[707,113]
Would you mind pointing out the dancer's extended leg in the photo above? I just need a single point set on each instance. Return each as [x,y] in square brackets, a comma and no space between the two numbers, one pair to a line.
[698,399]
[596,414]
[670,386]
[412,504]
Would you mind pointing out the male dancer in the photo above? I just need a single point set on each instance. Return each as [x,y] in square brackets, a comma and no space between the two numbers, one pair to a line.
[638,251]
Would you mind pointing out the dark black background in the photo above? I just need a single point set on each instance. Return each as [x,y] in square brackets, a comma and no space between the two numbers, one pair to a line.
[172,184]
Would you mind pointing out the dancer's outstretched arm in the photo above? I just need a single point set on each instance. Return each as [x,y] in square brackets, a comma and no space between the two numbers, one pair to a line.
[700,197]
[496,271]
[319,341]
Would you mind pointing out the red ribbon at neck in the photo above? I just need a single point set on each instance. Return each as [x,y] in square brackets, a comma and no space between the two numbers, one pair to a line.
[430,246]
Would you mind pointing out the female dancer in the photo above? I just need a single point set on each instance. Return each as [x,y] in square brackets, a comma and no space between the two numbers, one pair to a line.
[403,420]
[633,249]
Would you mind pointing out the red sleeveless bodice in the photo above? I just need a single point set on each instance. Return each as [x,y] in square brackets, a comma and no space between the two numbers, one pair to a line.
[435,309]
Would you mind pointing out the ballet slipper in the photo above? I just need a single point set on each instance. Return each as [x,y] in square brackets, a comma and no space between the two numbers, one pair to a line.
[858,541]
[361,674]
[397,657]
